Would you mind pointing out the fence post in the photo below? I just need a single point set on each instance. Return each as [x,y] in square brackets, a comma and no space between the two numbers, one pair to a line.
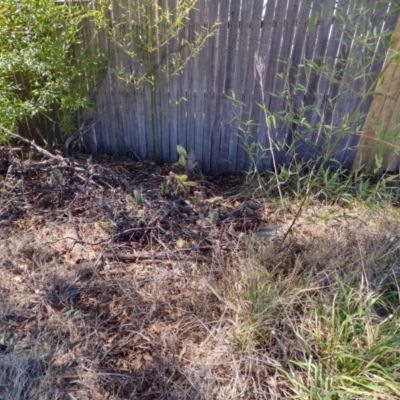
[381,129]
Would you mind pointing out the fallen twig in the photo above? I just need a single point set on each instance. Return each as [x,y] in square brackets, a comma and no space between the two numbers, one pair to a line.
[76,240]
[145,256]
[39,149]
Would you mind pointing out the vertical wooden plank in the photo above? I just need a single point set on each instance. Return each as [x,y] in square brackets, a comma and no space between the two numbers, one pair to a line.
[182,89]
[302,88]
[141,122]
[264,48]
[191,95]
[329,58]
[163,114]
[281,89]
[239,74]
[238,84]
[209,96]
[222,33]
[125,93]
[381,19]
[272,62]
[325,49]
[90,139]
[341,110]
[110,95]
[249,80]
[141,136]
[380,113]
[102,126]
[339,65]
[130,104]
[380,108]
[164,122]
[271,69]
[131,101]
[391,156]
[295,74]
[158,78]
[357,84]
[199,82]
[121,125]
[329,87]
[172,89]
[227,107]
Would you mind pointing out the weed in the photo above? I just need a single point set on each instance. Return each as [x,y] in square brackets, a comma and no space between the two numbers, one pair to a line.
[329,319]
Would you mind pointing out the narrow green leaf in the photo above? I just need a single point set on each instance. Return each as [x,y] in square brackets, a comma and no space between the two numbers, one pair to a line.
[182,161]
[181,151]
[313,22]
[183,178]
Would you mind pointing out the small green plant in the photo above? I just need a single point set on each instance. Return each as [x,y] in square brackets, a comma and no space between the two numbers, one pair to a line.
[188,162]
[180,184]
[138,197]
[109,226]
[183,156]
[56,178]
[110,223]
[177,184]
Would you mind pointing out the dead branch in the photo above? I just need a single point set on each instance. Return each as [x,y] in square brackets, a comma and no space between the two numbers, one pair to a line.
[37,148]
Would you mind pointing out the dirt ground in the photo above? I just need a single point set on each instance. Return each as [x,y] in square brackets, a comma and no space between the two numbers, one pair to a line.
[120,280]
[106,279]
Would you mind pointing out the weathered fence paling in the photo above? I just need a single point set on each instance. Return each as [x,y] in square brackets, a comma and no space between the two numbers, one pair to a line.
[194,108]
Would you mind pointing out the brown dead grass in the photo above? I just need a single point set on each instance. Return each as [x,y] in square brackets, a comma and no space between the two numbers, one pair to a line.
[178,327]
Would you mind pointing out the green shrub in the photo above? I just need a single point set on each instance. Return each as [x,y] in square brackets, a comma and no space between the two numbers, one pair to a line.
[38,75]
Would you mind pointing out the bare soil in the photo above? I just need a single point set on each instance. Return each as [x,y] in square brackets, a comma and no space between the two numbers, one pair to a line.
[106,297]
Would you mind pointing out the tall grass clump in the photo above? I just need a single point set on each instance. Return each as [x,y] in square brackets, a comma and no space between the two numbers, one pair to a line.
[319,317]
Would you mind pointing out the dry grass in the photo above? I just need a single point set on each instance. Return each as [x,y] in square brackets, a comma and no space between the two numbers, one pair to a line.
[319,319]
[314,319]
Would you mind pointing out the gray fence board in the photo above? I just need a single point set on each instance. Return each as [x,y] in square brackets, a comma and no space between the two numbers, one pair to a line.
[204,121]
[182,91]
[173,93]
[324,49]
[240,71]
[191,95]
[209,95]
[219,85]
[281,82]
[199,84]
[227,128]
[249,81]
[263,51]
[341,112]
[346,149]
[271,70]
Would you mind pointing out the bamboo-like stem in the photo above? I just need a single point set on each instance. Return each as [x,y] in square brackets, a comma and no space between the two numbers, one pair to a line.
[331,149]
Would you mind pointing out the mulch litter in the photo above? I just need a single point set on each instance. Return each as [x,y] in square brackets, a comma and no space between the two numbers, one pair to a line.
[98,241]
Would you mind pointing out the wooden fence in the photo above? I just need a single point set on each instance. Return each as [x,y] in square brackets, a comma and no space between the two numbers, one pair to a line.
[377,150]
[316,73]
